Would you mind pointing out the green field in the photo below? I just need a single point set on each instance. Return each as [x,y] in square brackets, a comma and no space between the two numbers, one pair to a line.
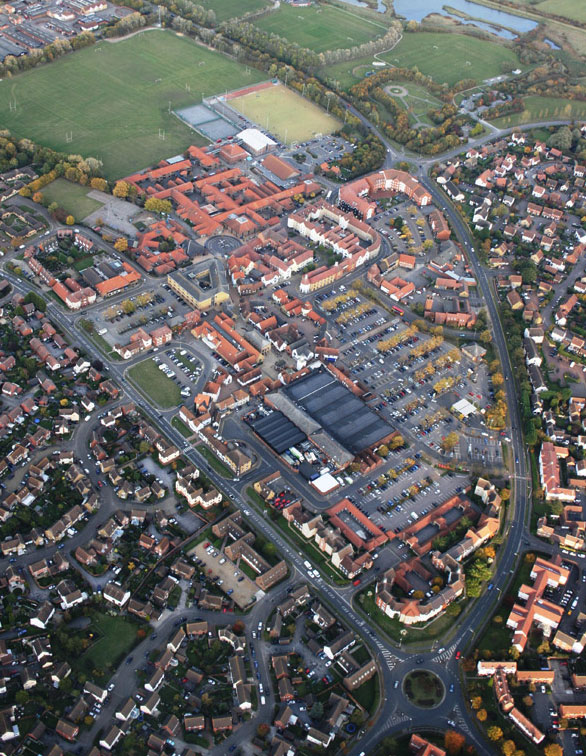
[227,9]
[116,636]
[444,57]
[543,109]
[320,28]
[285,113]
[71,197]
[575,10]
[154,383]
[112,99]
[451,57]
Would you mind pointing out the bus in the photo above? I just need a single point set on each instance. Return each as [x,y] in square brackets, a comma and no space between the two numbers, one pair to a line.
[398,310]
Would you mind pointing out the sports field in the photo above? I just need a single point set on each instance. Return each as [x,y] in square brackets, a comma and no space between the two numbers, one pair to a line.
[71,197]
[321,27]
[447,58]
[226,9]
[451,57]
[285,114]
[112,101]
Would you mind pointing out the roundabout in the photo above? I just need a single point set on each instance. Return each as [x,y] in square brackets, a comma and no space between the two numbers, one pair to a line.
[222,245]
[423,689]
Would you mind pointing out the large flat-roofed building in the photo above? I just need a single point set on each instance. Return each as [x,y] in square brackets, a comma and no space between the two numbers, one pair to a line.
[342,415]
[202,285]
[255,141]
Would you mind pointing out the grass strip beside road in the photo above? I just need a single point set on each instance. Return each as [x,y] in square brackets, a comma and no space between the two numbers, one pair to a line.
[181,427]
[216,463]
[314,555]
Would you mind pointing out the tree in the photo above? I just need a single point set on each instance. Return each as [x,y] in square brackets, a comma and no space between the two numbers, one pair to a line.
[528,701]
[481,715]
[121,244]
[144,447]
[317,710]
[476,703]
[128,306]
[449,443]
[383,451]
[494,733]
[262,730]
[397,442]
[121,189]
[155,205]
[508,747]
[99,183]
[486,337]
[553,749]
[22,697]
[454,742]
[38,197]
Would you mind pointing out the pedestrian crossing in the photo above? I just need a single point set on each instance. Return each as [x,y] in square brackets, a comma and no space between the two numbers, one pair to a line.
[390,659]
[445,655]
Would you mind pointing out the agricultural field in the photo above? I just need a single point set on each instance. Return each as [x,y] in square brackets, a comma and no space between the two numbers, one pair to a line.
[285,113]
[447,58]
[227,9]
[71,197]
[570,9]
[575,10]
[154,383]
[112,100]
[543,109]
[320,28]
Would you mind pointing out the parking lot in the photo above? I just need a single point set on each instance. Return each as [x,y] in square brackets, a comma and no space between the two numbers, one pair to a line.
[183,367]
[317,151]
[141,309]
[417,377]
[230,579]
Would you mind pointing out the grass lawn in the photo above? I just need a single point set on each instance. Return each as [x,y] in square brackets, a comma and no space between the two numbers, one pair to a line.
[71,197]
[367,694]
[114,97]
[162,390]
[288,115]
[115,637]
[226,9]
[543,109]
[321,27]
[394,629]
[316,556]
[216,463]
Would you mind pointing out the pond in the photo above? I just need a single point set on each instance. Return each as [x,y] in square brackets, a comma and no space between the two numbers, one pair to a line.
[380,6]
[552,44]
[493,20]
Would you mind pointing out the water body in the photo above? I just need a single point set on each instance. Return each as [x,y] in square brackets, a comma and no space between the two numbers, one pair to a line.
[380,6]
[493,20]
[552,44]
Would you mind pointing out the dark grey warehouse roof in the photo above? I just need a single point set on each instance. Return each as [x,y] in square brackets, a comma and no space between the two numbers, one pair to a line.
[346,418]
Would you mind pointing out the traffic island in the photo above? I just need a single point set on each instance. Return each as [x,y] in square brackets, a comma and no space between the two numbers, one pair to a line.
[423,689]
